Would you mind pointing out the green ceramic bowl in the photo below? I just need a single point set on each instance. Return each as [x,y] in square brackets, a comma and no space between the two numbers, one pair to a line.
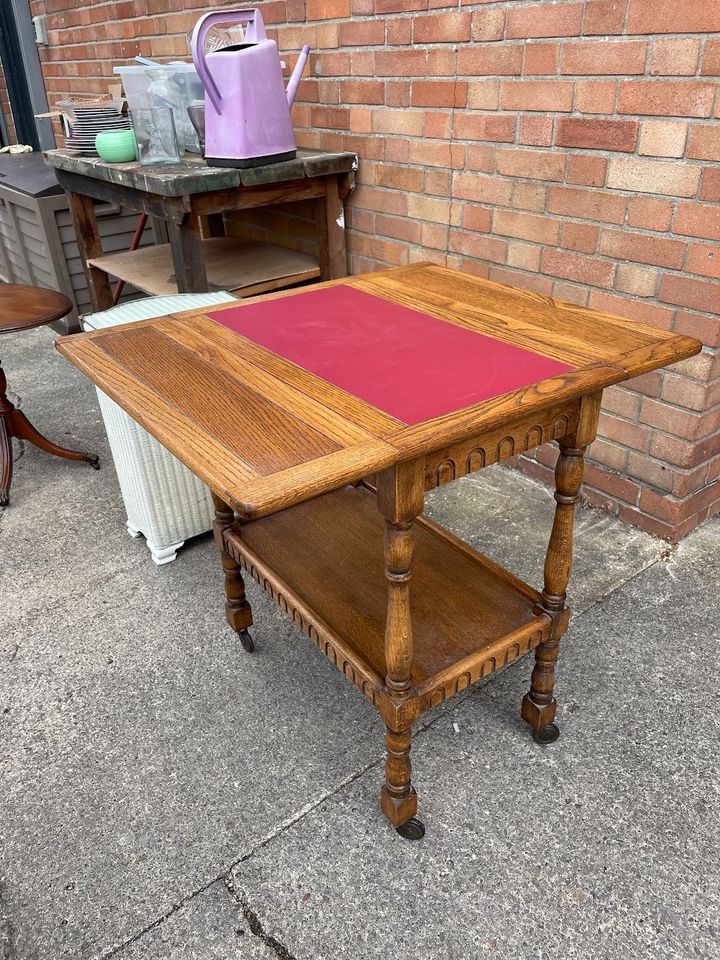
[116,146]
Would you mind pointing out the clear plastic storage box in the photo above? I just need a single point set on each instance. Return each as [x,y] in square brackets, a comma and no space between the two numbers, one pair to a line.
[173,85]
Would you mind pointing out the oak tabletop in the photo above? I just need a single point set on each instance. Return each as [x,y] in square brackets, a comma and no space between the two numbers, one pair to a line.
[284,397]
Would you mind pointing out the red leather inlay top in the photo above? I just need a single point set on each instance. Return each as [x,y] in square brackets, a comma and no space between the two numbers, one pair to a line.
[410,365]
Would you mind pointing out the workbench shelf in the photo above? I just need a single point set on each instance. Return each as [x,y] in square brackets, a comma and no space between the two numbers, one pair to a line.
[231,264]
[189,200]
[469,615]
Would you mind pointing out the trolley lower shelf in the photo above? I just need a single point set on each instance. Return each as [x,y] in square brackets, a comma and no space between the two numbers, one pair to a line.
[322,563]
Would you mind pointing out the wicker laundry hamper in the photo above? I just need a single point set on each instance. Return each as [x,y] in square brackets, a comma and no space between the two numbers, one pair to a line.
[163,500]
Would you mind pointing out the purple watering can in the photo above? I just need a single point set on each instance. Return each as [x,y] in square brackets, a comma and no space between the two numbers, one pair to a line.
[247,109]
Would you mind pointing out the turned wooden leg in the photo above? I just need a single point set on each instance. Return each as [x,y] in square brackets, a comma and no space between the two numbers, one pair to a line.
[237,610]
[398,797]
[400,499]
[14,423]
[539,705]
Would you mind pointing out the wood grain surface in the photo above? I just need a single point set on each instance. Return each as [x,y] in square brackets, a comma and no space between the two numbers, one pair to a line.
[23,307]
[465,609]
[265,434]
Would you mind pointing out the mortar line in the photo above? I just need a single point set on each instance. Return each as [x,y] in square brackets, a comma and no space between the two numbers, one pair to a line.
[451,185]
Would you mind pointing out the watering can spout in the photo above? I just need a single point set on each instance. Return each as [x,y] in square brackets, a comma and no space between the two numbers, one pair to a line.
[297,75]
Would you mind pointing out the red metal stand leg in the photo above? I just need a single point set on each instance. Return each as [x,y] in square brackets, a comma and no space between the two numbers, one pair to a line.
[134,244]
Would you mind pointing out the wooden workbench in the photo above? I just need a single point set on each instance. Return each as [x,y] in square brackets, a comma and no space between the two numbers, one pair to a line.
[190,198]
[320,418]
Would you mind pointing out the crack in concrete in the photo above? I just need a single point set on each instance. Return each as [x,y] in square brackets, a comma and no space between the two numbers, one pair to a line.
[226,875]
[115,951]
[255,926]
[89,585]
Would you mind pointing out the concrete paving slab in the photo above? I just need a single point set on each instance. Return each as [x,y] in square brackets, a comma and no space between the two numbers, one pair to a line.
[65,528]
[144,751]
[211,926]
[604,845]
[508,516]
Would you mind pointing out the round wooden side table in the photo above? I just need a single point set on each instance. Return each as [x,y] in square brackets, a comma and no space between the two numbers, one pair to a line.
[22,308]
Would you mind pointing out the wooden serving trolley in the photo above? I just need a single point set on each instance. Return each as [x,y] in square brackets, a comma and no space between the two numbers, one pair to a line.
[320,418]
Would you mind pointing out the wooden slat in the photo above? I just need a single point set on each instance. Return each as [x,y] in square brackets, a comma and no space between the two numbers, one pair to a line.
[363,414]
[210,460]
[221,348]
[267,495]
[230,265]
[515,322]
[261,433]
[541,311]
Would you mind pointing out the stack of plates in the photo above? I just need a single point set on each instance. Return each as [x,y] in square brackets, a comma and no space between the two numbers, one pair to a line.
[88,121]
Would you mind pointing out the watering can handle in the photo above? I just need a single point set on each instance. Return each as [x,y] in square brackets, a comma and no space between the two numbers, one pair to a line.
[254,33]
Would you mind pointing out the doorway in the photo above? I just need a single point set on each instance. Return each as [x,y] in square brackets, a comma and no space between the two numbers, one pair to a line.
[23,77]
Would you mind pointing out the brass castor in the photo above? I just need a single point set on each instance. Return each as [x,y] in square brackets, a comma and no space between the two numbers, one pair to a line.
[246,640]
[412,829]
[547,734]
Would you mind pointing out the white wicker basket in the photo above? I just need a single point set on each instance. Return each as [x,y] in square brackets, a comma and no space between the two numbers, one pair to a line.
[164,501]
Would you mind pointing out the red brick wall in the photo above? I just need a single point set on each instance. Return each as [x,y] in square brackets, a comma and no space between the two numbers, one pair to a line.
[570,148]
